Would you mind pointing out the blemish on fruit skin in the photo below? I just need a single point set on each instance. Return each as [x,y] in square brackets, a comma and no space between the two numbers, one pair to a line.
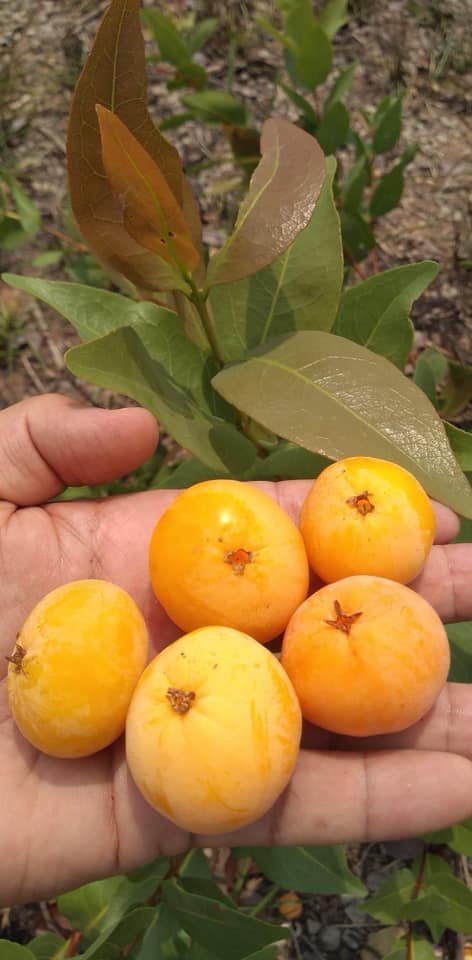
[238,559]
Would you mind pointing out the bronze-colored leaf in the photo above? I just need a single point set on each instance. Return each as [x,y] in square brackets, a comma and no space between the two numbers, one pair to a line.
[114,75]
[151,213]
[282,195]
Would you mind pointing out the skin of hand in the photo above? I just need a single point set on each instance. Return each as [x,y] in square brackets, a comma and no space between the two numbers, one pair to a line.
[64,823]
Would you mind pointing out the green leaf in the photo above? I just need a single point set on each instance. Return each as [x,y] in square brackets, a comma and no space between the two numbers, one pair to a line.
[430,370]
[120,361]
[216,106]
[393,895]
[376,312]
[196,864]
[184,475]
[309,58]
[456,913]
[333,128]
[309,114]
[387,124]
[355,183]
[299,290]
[221,930]
[289,462]
[48,946]
[461,443]
[290,176]
[341,85]
[457,391]
[307,869]
[160,940]
[14,951]
[460,639]
[388,191]
[334,397]
[12,234]
[357,234]
[91,311]
[86,906]
[333,16]
[417,947]
[47,259]
[201,33]
[30,217]
[171,44]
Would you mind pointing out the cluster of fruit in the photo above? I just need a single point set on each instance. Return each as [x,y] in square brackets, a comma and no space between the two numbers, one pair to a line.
[213,723]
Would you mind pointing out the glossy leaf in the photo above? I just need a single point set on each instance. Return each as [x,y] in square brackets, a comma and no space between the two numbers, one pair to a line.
[392,897]
[221,930]
[216,106]
[456,911]
[299,290]
[333,128]
[376,312]
[282,195]
[430,370]
[107,79]
[151,213]
[160,940]
[460,639]
[85,906]
[308,869]
[172,46]
[196,865]
[333,16]
[121,361]
[357,234]
[387,124]
[336,398]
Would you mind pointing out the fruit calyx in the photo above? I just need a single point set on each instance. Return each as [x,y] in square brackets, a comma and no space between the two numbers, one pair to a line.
[343,621]
[17,657]
[361,502]
[239,559]
[180,700]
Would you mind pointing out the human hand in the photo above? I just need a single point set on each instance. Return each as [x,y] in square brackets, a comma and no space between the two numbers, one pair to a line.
[85,819]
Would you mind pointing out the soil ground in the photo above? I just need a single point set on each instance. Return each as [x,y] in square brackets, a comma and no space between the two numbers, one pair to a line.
[423,47]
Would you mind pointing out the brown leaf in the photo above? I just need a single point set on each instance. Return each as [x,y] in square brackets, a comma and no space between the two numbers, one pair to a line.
[282,195]
[151,213]
[114,75]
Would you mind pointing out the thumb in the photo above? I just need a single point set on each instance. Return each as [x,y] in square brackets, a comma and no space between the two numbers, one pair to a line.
[50,442]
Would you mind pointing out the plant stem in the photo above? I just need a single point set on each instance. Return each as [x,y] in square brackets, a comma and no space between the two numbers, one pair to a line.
[415,893]
[264,901]
[198,299]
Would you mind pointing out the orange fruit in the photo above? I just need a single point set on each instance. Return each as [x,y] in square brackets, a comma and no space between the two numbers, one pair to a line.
[213,731]
[366,656]
[225,553]
[74,667]
[367,516]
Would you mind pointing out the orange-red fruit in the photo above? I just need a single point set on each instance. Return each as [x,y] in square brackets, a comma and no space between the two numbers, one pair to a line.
[366,656]
[76,662]
[225,553]
[213,731]
[367,516]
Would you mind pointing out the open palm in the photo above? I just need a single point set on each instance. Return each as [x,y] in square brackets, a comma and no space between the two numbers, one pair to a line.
[65,822]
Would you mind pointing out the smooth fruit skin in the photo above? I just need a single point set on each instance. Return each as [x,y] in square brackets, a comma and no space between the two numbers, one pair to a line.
[224,552]
[224,759]
[78,658]
[387,533]
[379,670]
